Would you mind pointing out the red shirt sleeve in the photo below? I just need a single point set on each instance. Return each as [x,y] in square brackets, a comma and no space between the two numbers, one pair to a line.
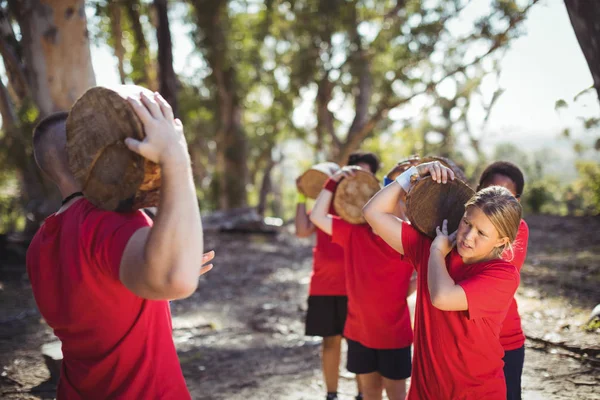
[340,231]
[490,292]
[416,245]
[109,234]
[519,253]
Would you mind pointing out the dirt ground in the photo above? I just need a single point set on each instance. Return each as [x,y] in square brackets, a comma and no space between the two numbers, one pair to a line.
[240,336]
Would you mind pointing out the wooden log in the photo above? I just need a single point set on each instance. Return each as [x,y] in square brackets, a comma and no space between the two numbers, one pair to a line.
[352,194]
[428,203]
[112,177]
[311,182]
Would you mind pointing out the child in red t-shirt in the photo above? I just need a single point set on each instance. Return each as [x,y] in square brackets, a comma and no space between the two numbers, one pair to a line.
[512,339]
[464,288]
[327,299]
[377,329]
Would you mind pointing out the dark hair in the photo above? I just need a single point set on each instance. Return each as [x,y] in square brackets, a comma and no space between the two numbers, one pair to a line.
[49,146]
[42,126]
[364,157]
[504,168]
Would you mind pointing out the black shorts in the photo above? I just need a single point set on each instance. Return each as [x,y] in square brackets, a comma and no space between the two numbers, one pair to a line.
[326,315]
[393,364]
[513,369]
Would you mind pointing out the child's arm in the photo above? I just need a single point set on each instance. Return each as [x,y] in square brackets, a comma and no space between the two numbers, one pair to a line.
[445,294]
[319,215]
[304,228]
[379,211]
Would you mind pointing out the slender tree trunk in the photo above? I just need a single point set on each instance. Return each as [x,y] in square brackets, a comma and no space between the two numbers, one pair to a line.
[116,27]
[231,166]
[265,188]
[167,78]
[585,18]
[139,58]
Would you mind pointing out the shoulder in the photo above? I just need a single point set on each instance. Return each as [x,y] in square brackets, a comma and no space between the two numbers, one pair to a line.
[501,269]
[96,218]
[523,228]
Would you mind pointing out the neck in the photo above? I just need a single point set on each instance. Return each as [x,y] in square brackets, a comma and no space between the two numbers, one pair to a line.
[474,260]
[66,189]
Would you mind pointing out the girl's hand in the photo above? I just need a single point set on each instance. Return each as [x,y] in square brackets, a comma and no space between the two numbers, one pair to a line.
[346,172]
[439,172]
[443,242]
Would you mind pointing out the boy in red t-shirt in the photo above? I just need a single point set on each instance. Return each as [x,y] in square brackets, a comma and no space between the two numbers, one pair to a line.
[102,279]
[327,300]
[464,288]
[378,327]
[512,339]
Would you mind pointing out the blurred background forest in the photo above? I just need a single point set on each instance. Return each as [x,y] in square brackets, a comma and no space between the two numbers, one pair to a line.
[266,88]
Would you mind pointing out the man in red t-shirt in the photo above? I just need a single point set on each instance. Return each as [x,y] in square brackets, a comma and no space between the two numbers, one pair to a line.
[512,339]
[102,279]
[327,300]
[378,280]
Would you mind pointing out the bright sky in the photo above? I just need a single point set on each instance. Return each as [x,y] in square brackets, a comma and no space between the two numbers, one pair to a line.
[544,65]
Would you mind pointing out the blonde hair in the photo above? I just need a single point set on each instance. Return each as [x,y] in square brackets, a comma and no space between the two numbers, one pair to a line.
[503,210]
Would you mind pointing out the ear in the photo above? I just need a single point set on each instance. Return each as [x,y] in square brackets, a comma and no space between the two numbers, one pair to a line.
[502,242]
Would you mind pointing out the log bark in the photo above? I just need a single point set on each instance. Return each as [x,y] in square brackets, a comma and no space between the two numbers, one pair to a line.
[585,18]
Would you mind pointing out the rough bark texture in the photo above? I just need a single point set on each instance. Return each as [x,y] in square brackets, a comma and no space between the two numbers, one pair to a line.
[167,80]
[56,51]
[585,18]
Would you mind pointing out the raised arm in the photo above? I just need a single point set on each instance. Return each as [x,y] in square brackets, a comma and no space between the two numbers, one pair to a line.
[304,228]
[164,262]
[319,215]
[379,211]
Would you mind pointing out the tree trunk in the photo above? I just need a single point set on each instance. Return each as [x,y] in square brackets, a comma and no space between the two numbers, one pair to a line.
[265,188]
[139,58]
[585,18]
[116,28]
[56,52]
[167,80]
[231,166]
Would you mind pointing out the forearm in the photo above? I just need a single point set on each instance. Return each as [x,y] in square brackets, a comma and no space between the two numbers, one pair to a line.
[304,227]
[319,215]
[174,248]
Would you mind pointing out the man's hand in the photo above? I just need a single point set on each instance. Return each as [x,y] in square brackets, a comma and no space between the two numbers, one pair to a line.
[207,257]
[443,242]
[439,172]
[164,141]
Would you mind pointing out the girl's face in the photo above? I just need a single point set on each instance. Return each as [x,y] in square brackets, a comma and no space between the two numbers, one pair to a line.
[477,237]
[504,181]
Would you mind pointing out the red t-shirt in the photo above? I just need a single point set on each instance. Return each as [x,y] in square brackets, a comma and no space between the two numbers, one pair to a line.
[115,345]
[327,277]
[458,353]
[511,335]
[377,280]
